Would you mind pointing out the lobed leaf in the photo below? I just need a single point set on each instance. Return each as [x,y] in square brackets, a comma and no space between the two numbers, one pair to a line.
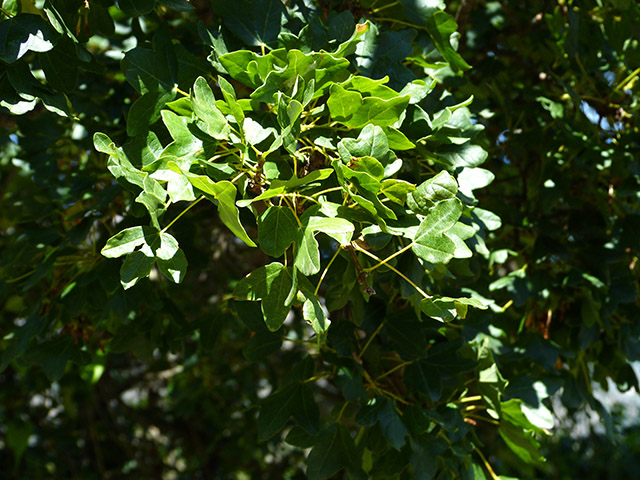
[276,230]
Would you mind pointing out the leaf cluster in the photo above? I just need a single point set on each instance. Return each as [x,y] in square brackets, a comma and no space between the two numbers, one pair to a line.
[311,241]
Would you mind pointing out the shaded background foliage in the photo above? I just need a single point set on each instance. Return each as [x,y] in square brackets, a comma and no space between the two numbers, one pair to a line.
[565,141]
[163,380]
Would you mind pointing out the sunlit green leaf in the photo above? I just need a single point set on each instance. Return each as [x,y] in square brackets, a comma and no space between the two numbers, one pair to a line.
[307,259]
[204,106]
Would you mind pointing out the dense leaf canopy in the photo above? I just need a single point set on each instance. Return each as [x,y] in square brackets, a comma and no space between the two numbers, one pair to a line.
[313,239]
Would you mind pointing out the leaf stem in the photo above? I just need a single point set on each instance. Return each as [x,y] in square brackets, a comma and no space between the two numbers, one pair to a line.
[624,82]
[484,419]
[292,206]
[473,398]
[443,435]
[334,126]
[181,92]
[224,154]
[471,408]
[397,367]
[316,377]
[506,306]
[237,177]
[393,395]
[373,335]
[400,22]
[326,269]
[181,214]
[586,75]
[306,197]
[376,10]
[341,411]
[585,372]
[322,192]
[17,279]
[298,340]
[390,257]
[486,464]
[419,290]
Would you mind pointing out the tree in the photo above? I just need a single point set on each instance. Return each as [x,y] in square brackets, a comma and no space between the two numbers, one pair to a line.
[356,239]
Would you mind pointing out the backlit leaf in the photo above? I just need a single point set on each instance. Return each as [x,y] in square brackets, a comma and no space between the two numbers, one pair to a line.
[127,241]
[204,106]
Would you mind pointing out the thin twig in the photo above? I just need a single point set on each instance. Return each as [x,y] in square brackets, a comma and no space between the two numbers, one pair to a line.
[393,269]
[486,464]
[326,269]
[389,258]
[373,335]
[181,214]
[397,367]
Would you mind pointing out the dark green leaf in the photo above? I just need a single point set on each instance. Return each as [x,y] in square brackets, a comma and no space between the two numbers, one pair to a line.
[351,385]
[277,230]
[54,354]
[224,193]
[261,344]
[381,409]
[255,23]
[333,451]
[298,437]
[177,5]
[149,71]
[21,338]
[29,88]
[60,66]
[277,409]
[424,379]
[293,399]
[440,27]
[306,411]
[424,459]
[24,33]
[145,111]
[136,7]
[136,266]
[406,331]
[271,284]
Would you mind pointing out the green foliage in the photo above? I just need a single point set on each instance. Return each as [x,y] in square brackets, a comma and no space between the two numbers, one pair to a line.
[425,225]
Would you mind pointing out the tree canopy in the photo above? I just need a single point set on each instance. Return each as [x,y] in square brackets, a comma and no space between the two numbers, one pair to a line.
[313,238]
